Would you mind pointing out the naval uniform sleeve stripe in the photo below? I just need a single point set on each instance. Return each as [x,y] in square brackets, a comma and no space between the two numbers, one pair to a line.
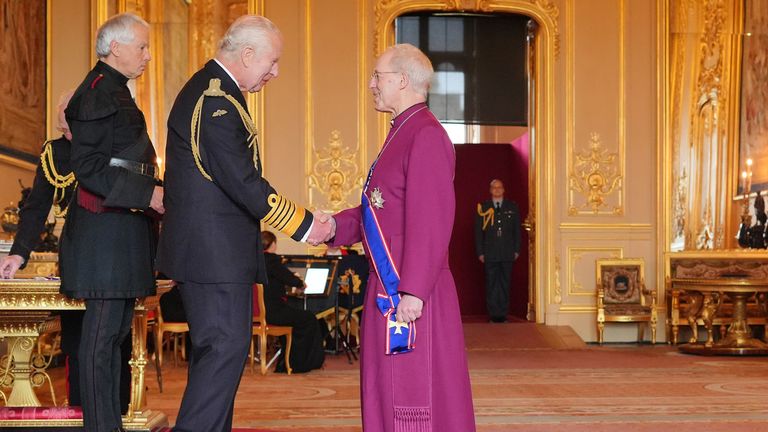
[286,217]
[295,222]
[280,213]
[276,202]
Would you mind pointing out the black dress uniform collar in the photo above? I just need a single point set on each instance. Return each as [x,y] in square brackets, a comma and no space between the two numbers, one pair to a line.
[111,72]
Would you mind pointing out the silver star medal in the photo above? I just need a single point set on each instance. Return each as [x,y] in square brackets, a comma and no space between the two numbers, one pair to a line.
[376,199]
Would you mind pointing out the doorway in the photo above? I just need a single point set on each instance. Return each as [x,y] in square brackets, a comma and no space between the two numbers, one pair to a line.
[480,94]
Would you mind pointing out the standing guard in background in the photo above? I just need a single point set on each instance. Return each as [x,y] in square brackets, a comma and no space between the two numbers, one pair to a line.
[497,242]
[108,241]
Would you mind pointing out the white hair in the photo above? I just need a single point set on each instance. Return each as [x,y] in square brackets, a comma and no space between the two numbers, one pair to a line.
[414,63]
[119,28]
[249,30]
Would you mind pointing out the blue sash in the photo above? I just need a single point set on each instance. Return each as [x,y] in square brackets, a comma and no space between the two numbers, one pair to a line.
[400,336]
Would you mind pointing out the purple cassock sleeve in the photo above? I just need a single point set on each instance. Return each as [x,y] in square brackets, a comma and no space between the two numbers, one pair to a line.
[348,229]
[429,211]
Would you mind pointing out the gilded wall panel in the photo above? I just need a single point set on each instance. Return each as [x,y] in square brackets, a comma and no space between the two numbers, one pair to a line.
[703,66]
[596,107]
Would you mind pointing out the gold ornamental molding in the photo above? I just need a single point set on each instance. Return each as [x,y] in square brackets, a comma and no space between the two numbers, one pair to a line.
[336,174]
[541,173]
[575,254]
[386,11]
[595,174]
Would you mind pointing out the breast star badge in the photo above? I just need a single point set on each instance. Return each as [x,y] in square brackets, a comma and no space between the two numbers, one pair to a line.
[376,199]
[398,326]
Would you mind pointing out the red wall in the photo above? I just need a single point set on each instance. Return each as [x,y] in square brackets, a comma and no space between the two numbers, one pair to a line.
[476,166]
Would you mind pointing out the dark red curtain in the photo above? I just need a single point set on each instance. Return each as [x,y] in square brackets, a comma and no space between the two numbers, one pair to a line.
[476,166]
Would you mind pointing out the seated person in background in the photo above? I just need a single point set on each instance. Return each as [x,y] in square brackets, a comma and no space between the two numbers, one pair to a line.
[307,348]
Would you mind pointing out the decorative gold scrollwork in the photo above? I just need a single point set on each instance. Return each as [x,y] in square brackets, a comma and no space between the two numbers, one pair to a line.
[595,174]
[336,174]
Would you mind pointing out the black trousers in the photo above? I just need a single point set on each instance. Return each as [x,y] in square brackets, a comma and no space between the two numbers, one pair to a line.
[497,278]
[106,324]
[71,328]
[220,324]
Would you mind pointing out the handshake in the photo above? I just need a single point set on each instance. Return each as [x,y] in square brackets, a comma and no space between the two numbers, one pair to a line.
[323,228]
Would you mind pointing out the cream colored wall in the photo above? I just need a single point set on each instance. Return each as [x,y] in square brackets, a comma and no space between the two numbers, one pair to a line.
[604,82]
[323,69]
[607,86]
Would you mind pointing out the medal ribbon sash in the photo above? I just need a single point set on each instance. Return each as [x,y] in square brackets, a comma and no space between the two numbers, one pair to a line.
[400,337]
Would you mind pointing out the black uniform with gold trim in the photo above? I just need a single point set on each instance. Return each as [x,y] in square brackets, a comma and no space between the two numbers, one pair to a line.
[108,241]
[215,200]
[53,185]
[497,238]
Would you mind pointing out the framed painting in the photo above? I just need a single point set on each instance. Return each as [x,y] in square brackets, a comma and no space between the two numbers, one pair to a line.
[753,139]
[23,97]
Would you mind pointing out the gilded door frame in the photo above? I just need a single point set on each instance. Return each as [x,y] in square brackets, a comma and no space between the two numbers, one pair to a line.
[542,164]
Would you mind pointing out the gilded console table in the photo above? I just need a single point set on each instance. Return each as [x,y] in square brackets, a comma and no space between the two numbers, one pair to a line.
[24,305]
[738,338]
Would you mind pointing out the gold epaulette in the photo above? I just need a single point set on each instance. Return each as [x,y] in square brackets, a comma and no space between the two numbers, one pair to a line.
[59,182]
[486,215]
[214,90]
[285,215]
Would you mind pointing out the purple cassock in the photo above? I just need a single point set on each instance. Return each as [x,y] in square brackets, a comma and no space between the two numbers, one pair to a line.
[411,194]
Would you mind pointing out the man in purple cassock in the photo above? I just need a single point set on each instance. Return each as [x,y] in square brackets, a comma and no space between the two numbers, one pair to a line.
[414,375]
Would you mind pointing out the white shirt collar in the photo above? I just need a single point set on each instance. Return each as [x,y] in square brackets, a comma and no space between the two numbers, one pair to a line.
[497,202]
[227,71]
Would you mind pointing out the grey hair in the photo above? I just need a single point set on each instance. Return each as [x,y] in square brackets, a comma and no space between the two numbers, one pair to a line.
[413,62]
[249,30]
[119,28]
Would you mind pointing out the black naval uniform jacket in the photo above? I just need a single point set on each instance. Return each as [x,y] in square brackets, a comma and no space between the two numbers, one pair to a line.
[38,204]
[211,228]
[488,242]
[108,253]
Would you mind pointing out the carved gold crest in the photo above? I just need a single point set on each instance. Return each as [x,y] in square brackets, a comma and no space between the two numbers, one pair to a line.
[376,199]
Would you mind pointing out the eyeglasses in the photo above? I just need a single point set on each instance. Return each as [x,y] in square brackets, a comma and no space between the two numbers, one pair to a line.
[375,74]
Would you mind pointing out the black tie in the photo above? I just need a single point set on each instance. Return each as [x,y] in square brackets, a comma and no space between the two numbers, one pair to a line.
[498,206]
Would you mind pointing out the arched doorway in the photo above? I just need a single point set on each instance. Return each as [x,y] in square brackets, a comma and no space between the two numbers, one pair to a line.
[541,127]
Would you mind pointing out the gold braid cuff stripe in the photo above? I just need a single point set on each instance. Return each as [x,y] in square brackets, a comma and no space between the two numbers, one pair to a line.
[58,181]
[214,90]
[284,216]
[486,215]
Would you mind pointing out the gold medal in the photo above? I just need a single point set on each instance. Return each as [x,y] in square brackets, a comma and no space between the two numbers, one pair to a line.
[376,199]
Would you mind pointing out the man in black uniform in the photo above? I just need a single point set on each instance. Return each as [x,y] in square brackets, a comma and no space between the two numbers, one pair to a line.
[216,200]
[54,184]
[497,242]
[107,246]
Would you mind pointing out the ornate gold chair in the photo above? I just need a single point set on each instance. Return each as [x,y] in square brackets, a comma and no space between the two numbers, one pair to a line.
[261,330]
[623,297]
[177,331]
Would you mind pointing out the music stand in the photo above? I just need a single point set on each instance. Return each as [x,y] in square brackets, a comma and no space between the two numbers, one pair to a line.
[323,298]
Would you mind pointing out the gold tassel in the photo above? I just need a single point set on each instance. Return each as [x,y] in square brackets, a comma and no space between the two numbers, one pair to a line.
[486,215]
[214,90]
[58,181]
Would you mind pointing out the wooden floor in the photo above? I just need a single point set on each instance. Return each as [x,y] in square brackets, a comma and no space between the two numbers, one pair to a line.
[525,377]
